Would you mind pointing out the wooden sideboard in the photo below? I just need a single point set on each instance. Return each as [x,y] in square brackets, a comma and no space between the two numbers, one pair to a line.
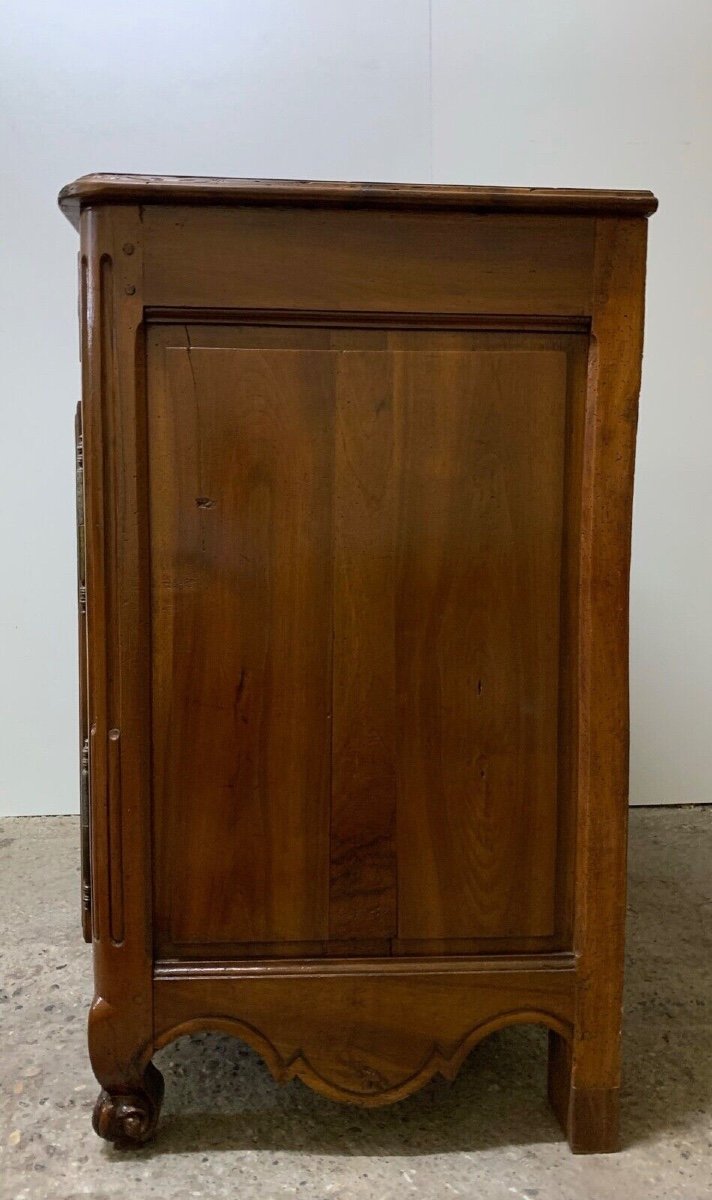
[355,468]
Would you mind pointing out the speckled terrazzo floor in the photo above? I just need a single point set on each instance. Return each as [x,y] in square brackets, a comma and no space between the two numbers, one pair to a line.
[228,1131]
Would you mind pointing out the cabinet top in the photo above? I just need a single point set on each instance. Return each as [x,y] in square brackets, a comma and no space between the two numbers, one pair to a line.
[193,189]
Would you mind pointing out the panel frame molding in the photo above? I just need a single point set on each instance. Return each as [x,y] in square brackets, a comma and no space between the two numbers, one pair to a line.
[429,322]
[548,329]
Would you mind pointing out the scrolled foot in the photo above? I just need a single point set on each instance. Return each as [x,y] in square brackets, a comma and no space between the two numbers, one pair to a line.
[129,1118]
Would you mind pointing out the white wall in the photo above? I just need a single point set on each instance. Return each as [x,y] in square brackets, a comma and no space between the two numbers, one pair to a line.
[549,92]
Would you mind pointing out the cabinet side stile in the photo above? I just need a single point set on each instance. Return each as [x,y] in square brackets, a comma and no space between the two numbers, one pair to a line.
[118,641]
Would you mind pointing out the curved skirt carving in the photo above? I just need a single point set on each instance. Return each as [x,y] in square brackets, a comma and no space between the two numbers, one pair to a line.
[364,1038]
[369,1088]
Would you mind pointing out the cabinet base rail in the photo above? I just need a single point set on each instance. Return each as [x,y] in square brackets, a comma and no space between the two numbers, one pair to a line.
[362,1032]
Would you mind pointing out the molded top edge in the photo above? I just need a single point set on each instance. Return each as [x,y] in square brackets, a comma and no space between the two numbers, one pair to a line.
[189,189]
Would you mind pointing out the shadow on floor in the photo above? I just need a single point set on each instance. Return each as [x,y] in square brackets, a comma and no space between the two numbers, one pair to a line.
[219,1094]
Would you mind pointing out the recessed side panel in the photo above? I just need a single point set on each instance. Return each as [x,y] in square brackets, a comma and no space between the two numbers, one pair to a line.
[241,448]
[358,559]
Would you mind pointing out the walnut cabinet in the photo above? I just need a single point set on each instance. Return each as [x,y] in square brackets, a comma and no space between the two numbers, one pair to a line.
[355,471]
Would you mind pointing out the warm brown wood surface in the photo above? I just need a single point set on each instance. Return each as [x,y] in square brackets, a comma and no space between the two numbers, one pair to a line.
[480,522]
[191,189]
[455,264]
[358,468]
[592,1065]
[380,504]
[241,519]
[363,896]
[358,1033]
[118,662]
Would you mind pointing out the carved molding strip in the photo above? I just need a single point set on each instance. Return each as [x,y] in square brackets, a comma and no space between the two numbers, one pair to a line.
[110,684]
[177,970]
[368,320]
[116,858]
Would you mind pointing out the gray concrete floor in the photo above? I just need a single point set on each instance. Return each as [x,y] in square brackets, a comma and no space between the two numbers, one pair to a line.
[228,1130]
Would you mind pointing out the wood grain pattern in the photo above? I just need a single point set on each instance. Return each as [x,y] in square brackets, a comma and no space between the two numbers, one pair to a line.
[480,523]
[432,523]
[241,518]
[326,323]
[365,1036]
[588,1078]
[357,540]
[363,891]
[394,262]
[192,189]
[118,691]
